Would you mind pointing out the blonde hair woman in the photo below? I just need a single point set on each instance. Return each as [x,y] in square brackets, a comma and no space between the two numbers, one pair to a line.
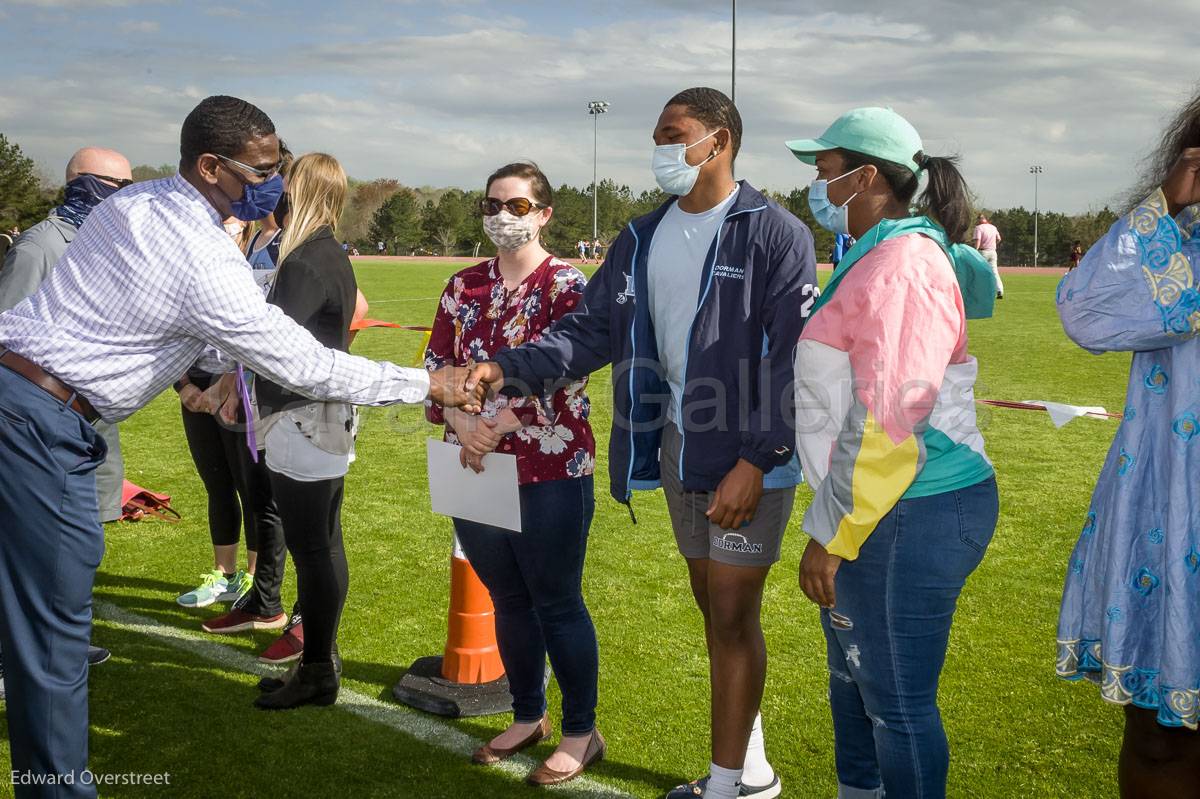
[308,444]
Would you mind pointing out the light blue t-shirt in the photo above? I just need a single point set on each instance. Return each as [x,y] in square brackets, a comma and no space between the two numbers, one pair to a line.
[676,264]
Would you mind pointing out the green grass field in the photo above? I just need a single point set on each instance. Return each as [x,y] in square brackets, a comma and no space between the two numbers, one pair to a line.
[163,704]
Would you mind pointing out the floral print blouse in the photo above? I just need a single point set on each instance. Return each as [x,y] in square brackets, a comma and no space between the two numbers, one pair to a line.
[479,317]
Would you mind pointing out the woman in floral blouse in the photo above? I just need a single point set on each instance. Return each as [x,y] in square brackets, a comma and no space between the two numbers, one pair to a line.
[534,577]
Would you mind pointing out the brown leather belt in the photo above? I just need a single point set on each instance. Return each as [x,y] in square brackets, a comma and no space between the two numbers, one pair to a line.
[48,383]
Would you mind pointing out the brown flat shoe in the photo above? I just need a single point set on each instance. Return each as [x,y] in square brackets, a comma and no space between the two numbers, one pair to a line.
[488,755]
[544,775]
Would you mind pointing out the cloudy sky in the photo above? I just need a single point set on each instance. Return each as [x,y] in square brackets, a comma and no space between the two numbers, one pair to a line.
[439,93]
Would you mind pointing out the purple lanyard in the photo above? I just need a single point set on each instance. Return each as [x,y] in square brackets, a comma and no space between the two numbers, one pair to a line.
[248,411]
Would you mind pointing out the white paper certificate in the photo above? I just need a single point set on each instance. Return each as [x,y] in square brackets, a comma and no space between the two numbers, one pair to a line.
[488,498]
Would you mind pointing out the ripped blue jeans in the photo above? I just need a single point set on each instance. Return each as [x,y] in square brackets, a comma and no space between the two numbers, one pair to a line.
[886,640]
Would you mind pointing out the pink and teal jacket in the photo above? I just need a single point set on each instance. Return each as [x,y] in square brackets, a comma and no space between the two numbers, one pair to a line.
[885,403]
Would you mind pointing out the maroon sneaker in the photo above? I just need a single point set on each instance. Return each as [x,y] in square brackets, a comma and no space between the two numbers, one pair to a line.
[287,647]
[236,621]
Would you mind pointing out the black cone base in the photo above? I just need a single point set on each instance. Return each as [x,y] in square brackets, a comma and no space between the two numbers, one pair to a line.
[424,688]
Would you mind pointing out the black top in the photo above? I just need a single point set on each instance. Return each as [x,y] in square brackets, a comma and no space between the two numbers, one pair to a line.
[315,286]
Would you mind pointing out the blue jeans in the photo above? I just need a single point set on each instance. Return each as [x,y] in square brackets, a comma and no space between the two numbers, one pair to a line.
[51,543]
[886,641]
[535,580]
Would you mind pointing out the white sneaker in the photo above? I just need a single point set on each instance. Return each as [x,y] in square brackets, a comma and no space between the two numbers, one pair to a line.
[695,788]
[212,588]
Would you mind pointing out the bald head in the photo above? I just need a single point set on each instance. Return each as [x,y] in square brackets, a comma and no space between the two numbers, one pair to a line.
[98,161]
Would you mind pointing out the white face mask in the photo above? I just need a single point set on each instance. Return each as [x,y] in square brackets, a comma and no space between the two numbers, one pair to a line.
[510,232]
[234,229]
[671,169]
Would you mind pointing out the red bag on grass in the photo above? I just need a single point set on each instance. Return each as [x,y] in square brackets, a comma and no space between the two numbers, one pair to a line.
[138,502]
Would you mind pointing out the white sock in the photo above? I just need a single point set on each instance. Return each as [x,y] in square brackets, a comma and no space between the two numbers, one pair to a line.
[757,771]
[723,783]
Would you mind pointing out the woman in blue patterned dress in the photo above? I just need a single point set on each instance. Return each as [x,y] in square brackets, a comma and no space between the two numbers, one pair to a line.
[1130,618]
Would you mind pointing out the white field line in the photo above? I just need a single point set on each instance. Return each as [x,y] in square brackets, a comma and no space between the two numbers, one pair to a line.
[427,729]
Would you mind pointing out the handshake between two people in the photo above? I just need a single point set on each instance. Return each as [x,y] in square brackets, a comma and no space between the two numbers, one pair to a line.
[465,387]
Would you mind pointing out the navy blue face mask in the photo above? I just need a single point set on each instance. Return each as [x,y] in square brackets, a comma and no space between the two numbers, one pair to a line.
[82,195]
[258,199]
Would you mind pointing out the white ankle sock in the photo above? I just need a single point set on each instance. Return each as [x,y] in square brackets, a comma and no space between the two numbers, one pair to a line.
[723,783]
[757,771]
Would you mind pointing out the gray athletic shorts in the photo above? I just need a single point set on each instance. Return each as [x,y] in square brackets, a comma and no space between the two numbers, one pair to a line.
[756,544]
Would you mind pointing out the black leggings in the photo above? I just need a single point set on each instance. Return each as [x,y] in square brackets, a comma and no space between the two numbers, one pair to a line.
[215,452]
[264,597]
[312,526]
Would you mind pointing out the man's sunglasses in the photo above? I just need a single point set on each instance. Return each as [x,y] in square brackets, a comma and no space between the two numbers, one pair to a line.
[119,182]
[517,206]
[265,174]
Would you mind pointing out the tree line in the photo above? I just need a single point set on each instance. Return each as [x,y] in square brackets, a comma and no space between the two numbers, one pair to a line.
[446,221]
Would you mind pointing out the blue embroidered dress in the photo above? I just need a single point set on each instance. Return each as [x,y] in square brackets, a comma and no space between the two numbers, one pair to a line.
[1130,617]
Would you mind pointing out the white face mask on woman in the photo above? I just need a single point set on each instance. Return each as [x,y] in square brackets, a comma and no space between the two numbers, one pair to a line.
[510,232]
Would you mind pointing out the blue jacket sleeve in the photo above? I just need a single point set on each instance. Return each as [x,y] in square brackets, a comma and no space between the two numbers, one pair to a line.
[577,345]
[1136,288]
[770,438]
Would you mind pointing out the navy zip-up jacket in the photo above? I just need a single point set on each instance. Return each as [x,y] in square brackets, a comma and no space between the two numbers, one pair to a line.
[758,287]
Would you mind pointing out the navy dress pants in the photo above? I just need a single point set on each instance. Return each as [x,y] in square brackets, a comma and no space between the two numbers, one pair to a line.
[51,543]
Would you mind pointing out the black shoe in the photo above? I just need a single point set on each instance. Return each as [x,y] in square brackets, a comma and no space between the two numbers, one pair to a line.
[312,684]
[97,655]
[269,684]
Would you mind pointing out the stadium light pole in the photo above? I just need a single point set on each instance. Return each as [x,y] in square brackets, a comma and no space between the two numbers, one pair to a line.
[596,108]
[1035,170]
[733,63]
[733,55]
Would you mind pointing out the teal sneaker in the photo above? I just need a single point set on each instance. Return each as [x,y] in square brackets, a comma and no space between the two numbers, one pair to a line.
[212,588]
[237,587]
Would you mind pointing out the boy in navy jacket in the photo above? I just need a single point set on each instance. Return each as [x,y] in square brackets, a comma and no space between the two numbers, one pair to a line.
[698,306]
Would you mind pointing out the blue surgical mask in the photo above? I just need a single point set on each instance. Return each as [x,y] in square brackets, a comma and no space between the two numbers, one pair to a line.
[258,199]
[671,169]
[834,218]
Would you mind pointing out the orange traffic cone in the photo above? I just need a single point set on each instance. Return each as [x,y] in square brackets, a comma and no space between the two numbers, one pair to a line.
[468,680]
[471,653]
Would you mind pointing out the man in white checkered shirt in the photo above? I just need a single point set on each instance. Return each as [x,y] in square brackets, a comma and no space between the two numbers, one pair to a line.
[151,279]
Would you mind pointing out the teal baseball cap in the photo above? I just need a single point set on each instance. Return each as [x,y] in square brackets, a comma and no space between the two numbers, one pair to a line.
[877,132]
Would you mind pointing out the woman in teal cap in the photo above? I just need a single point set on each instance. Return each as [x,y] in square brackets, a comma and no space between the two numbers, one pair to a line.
[905,499]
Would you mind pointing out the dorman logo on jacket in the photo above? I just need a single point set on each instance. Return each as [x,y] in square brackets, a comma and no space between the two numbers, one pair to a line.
[627,294]
[730,272]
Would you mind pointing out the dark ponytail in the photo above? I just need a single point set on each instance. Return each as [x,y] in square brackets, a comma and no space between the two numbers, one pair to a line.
[946,198]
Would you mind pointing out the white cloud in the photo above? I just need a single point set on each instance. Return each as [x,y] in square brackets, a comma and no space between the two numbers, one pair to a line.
[224,11]
[80,4]
[472,22]
[139,26]
[1071,86]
